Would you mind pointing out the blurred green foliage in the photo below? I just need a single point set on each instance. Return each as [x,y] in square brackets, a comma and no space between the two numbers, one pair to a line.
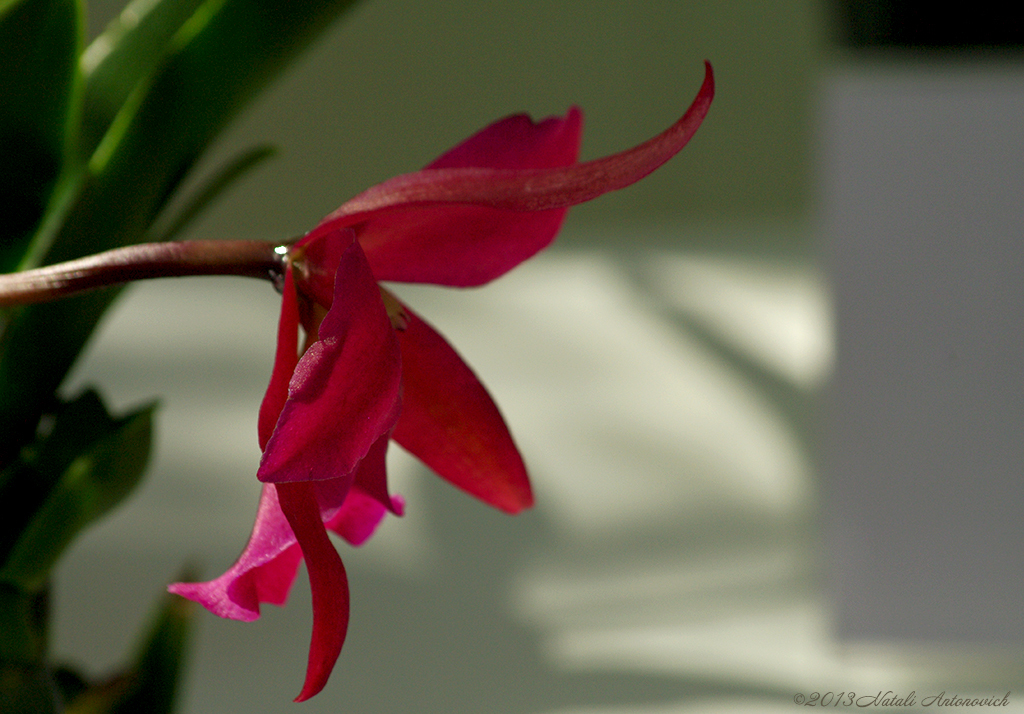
[93,144]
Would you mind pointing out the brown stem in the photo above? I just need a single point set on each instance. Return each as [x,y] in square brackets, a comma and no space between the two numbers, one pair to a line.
[254,259]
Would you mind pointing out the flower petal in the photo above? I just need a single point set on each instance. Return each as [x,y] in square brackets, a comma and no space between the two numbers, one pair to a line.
[328,583]
[358,517]
[517,142]
[286,358]
[264,572]
[368,501]
[530,189]
[470,245]
[450,422]
[266,569]
[406,241]
[372,475]
[344,392]
[456,245]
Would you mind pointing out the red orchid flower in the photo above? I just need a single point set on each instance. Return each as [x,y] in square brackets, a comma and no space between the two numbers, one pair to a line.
[372,370]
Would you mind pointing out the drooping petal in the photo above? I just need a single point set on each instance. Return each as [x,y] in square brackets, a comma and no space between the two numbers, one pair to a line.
[264,572]
[355,513]
[344,392]
[328,583]
[370,480]
[266,569]
[359,516]
[412,233]
[450,422]
[285,359]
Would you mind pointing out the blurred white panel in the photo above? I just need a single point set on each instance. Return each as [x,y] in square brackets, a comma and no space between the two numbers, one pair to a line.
[923,176]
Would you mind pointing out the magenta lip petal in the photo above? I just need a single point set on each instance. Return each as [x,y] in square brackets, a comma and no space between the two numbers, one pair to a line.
[264,572]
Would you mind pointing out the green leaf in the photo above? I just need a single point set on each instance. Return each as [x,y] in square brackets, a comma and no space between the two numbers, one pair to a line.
[220,58]
[37,348]
[225,53]
[128,52]
[26,684]
[39,46]
[26,690]
[85,466]
[23,626]
[158,666]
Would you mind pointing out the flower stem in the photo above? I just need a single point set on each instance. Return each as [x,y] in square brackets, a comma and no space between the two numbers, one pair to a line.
[254,259]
